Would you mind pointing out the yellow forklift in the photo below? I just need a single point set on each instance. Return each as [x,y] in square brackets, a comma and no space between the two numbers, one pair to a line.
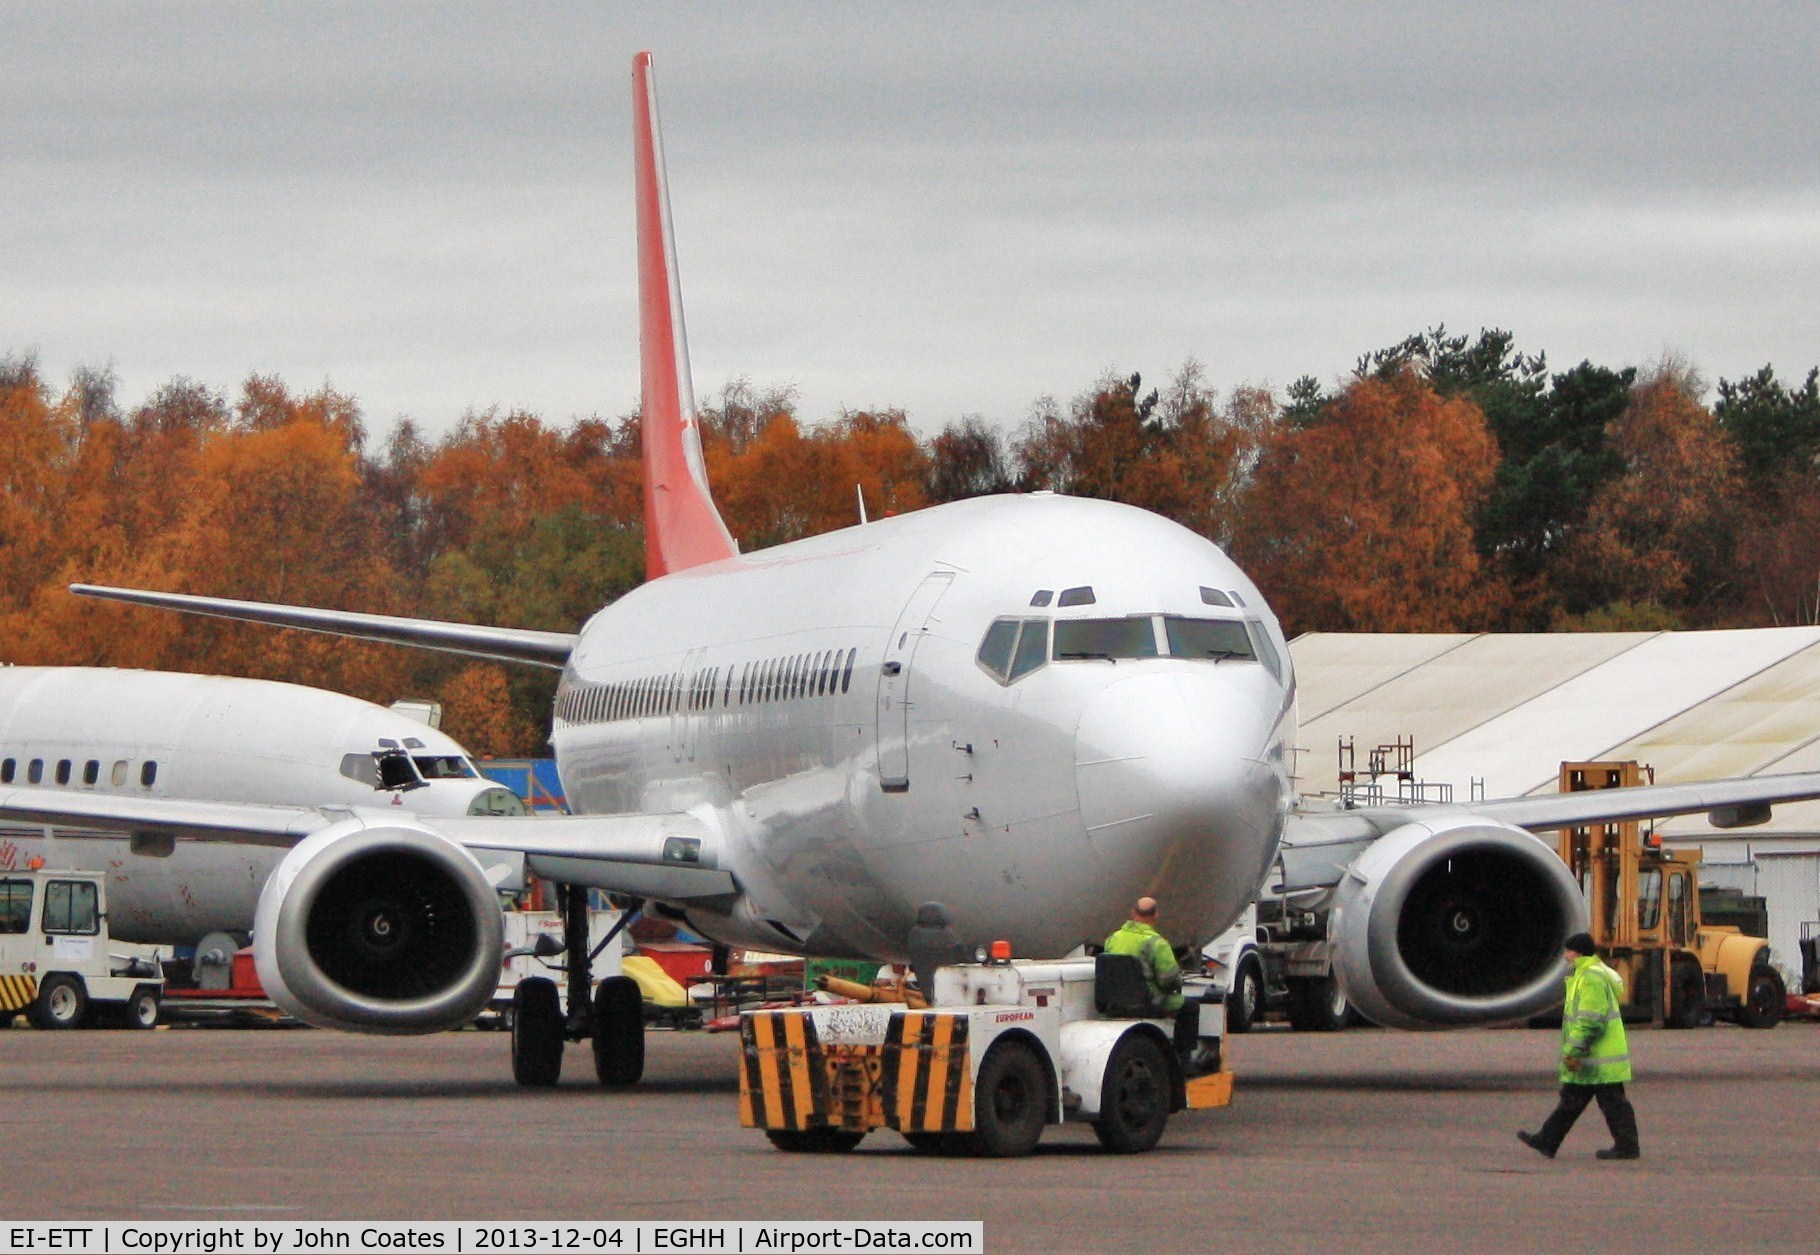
[1644,904]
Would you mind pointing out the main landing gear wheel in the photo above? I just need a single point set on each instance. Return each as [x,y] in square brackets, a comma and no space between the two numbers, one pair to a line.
[1134,1104]
[62,1002]
[537,1032]
[1010,1102]
[814,1141]
[619,1032]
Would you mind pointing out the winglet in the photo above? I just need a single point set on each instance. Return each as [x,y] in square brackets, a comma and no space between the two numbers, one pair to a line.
[682,527]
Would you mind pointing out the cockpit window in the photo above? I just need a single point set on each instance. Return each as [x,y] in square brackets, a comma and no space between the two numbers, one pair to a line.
[1105,638]
[360,767]
[1207,638]
[1266,650]
[1214,597]
[1032,648]
[443,767]
[1014,647]
[995,649]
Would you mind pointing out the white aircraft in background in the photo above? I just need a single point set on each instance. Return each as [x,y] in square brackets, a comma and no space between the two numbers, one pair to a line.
[1030,709]
[104,737]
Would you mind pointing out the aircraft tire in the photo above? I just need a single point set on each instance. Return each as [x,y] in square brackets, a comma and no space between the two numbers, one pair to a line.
[1010,1102]
[1134,1101]
[62,1002]
[619,1032]
[537,1033]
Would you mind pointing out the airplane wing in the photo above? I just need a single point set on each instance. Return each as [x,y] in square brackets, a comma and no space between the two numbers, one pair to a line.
[671,856]
[545,649]
[1318,845]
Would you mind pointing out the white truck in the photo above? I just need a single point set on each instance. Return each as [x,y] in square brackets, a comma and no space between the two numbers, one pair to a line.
[57,963]
[1009,1048]
[1286,965]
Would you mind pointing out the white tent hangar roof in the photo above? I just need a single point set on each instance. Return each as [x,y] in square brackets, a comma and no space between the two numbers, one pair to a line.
[1506,709]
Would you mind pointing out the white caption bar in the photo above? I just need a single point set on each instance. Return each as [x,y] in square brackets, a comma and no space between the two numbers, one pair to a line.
[734,1237]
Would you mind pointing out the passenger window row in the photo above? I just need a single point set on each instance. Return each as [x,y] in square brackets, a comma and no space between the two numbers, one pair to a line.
[65,770]
[817,674]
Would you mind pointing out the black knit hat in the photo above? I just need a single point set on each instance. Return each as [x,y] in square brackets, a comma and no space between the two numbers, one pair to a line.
[1579,943]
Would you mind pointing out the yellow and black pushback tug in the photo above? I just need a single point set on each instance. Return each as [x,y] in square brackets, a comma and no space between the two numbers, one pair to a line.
[1009,1047]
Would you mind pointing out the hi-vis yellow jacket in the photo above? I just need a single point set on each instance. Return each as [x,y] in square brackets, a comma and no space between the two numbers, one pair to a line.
[1592,1031]
[1161,972]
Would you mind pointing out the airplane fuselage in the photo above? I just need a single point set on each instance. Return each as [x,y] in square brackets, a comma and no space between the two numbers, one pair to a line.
[835,709]
[160,735]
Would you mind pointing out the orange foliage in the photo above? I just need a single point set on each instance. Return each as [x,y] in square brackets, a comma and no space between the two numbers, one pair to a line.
[1664,524]
[1364,518]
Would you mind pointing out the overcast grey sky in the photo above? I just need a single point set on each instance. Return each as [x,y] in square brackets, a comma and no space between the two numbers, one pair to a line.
[952,209]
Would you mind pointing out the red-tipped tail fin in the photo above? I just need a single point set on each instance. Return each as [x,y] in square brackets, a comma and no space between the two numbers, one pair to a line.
[682,527]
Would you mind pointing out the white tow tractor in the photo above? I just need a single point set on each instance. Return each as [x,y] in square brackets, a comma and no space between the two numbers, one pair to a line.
[57,962]
[1009,1047]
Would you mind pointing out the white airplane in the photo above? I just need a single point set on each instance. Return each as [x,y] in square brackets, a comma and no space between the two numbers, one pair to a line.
[1030,709]
[115,736]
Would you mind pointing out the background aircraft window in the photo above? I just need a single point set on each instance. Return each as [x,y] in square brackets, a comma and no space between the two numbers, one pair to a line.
[1042,597]
[6,771]
[501,801]
[91,771]
[118,777]
[1082,596]
[1105,638]
[1032,648]
[71,906]
[148,773]
[360,767]
[996,646]
[1260,640]
[63,771]
[15,906]
[34,774]
[443,767]
[1207,638]
[846,676]
[1214,597]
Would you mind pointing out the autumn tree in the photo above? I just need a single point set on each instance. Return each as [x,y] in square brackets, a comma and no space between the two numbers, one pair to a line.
[1660,533]
[1168,450]
[1362,519]
[968,458]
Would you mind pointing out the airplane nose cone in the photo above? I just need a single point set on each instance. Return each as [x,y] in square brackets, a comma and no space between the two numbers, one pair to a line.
[1182,792]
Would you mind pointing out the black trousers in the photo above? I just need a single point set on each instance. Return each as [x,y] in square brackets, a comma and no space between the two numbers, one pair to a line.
[1620,1116]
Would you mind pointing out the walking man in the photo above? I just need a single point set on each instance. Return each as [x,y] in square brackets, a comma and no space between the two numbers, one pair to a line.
[1595,1057]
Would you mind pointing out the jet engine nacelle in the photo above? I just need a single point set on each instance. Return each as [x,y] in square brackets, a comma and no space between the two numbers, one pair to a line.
[1453,922]
[390,928]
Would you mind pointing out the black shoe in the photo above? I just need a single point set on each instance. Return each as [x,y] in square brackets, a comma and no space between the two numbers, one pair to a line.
[1538,1145]
[1616,1152]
